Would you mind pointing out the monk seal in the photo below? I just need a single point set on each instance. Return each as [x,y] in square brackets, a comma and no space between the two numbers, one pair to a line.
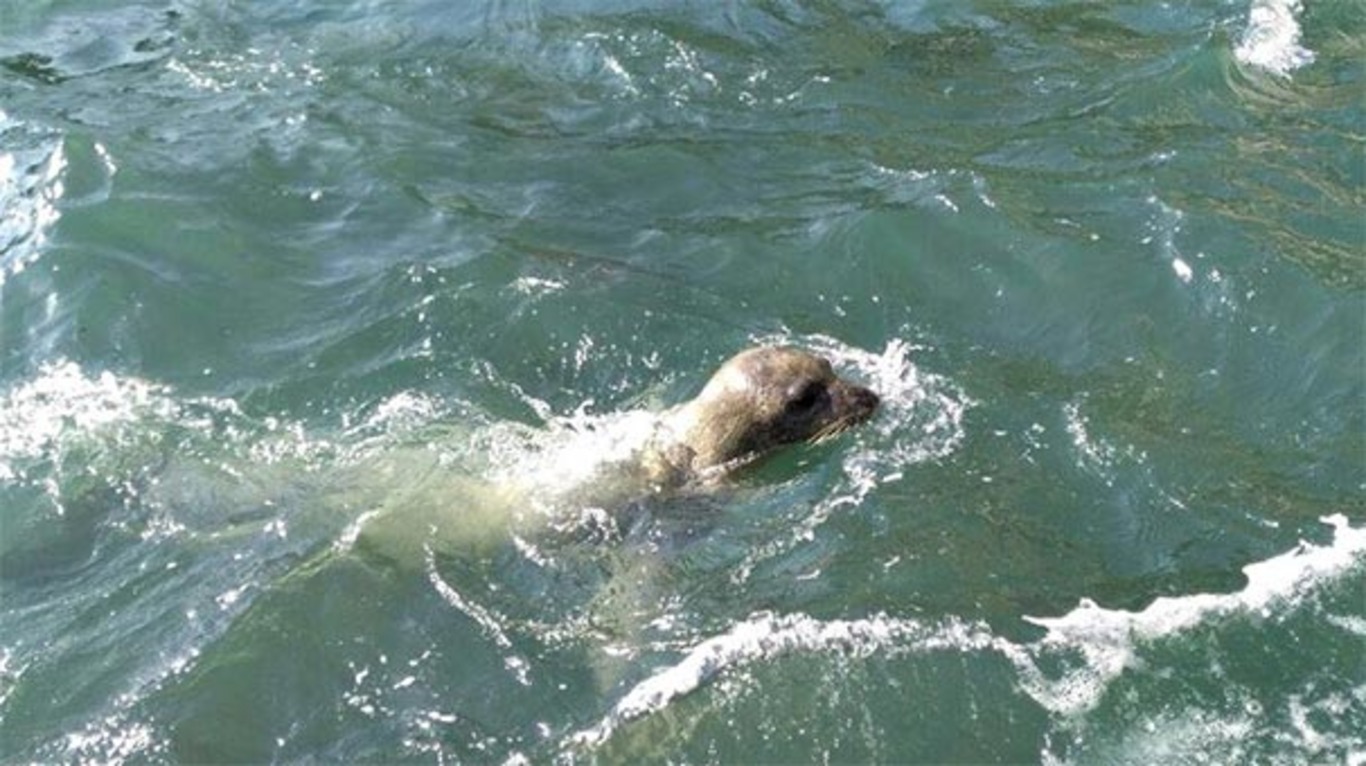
[760,399]
[596,478]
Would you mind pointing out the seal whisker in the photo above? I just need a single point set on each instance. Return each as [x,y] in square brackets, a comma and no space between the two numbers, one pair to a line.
[832,430]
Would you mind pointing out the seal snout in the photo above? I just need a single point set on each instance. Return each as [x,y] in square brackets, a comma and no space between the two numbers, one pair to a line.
[863,401]
[851,404]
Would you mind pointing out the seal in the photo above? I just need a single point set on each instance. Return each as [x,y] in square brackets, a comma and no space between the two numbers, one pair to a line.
[600,477]
[760,399]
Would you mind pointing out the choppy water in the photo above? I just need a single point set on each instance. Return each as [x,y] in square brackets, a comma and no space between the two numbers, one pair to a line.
[291,293]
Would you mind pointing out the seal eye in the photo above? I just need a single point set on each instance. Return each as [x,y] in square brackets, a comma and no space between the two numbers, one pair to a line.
[809,396]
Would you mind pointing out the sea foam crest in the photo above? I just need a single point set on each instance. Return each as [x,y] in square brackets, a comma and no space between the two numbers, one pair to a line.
[1108,639]
[765,636]
[1272,38]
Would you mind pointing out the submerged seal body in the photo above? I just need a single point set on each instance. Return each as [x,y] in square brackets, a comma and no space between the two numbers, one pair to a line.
[760,399]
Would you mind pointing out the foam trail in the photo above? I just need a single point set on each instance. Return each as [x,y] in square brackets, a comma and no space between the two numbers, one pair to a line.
[1272,38]
[765,636]
[64,404]
[489,623]
[1107,638]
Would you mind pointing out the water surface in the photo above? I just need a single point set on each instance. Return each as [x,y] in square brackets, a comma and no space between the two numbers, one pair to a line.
[292,293]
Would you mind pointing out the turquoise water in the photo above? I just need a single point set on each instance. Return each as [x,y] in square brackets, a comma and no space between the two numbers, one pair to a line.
[316,318]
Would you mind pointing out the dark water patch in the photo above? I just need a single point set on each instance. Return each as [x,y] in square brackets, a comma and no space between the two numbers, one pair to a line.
[60,48]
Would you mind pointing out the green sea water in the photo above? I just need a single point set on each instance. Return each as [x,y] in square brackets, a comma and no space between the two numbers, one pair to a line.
[316,319]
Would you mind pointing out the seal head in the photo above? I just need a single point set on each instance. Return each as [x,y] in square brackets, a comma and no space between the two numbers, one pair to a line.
[760,399]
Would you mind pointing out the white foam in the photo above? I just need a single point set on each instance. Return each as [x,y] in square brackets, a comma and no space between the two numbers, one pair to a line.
[489,622]
[574,448]
[765,636]
[1183,270]
[1272,38]
[537,287]
[63,399]
[120,423]
[1108,639]
[114,740]
[10,673]
[396,416]
[1177,735]
[1097,455]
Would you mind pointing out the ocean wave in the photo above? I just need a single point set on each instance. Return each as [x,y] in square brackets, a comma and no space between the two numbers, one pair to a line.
[766,636]
[1107,641]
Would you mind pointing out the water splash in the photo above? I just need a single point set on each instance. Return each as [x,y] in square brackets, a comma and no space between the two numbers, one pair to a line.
[62,402]
[920,420]
[1272,39]
[573,451]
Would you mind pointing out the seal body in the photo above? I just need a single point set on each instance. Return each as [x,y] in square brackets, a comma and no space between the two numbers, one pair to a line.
[596,478]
